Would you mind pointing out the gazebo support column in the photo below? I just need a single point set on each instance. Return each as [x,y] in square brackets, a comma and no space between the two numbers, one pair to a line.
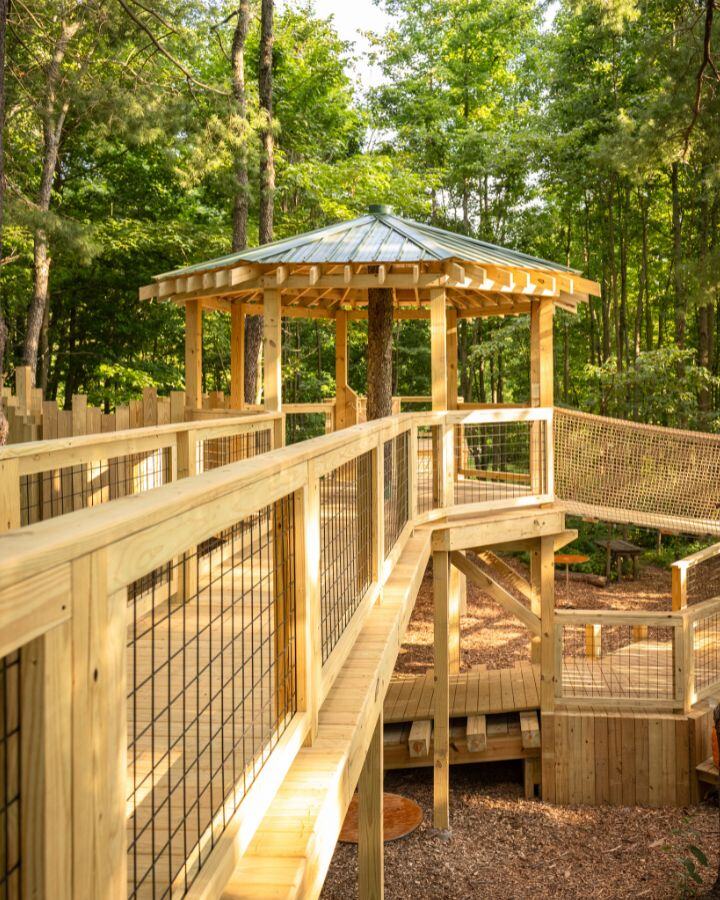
[541,394]
[443,350]
[272,358]
[341,369]
[237,355]
[193,354]
[458,581]
[370,809]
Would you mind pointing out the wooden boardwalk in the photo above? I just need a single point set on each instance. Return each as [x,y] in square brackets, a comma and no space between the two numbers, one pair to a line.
[480,692]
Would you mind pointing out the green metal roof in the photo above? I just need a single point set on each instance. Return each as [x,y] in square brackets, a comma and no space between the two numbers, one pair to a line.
[378,237]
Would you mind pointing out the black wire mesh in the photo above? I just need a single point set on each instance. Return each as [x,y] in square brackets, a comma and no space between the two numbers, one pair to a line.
[214,452]
[10,855]
[703,580]
[618,661]
[303,426]
[493,460]
[425,478]
[345,545]
[706,650]
[211,689]
[56,492]
[397,510]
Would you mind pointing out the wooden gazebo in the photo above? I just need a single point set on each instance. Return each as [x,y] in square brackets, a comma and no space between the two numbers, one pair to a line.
[434,274]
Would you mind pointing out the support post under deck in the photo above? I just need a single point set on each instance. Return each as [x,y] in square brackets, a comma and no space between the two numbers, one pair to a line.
[371,884]
[441,738]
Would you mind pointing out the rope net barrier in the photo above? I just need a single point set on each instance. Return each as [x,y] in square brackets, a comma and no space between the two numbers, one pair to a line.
[645,475]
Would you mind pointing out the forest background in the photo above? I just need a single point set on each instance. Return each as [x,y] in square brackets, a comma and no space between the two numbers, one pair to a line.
[142,135]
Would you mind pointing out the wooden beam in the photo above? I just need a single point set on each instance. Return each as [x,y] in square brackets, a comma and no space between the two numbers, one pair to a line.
[441,729]
[272,351]
[370,825]
[237,356]
[452,358]
[476,734]
[496,591]
[438,348]
[193,354]
[419,738]
[547,619]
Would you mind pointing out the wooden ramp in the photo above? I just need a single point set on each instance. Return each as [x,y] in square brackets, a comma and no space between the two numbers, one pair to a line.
[291,850]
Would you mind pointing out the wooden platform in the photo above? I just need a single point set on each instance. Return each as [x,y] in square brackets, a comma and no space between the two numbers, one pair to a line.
[482,691]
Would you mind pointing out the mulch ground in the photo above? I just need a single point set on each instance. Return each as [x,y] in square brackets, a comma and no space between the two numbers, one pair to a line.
[503,846]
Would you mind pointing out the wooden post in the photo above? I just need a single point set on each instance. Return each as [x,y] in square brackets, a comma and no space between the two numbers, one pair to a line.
[457,588]
[687,663]
[237,355]
[341,369]
[99,740]
[535,602]
[441,724]
[546,550]
[272,359]
[452,357]
[438,349]
[193,353]
[307,593]
[378,510]
[679,587]
[370,825]
[541,386]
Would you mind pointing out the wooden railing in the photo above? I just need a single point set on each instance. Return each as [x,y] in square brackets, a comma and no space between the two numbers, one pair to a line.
[43,479]
[696,577]
[136,620]
[623,658]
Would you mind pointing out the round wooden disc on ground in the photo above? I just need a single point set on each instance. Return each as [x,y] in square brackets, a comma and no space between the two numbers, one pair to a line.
[400,817]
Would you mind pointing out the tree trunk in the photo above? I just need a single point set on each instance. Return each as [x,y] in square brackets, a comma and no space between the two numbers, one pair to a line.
[53,116]
[4,4]
[680,310]
[254,324]
[379,365]
[240,206]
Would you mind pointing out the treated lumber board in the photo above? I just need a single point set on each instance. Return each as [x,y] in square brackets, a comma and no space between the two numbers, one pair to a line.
[419,738]
[530,729]
[476,734]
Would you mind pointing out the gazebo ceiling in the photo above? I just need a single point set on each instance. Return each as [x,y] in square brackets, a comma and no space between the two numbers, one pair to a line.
[333,267]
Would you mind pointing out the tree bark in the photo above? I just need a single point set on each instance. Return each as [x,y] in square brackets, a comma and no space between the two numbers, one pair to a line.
[4,6]
[53,120]
[254,324]
[240,205]
[680,310]
[379,366]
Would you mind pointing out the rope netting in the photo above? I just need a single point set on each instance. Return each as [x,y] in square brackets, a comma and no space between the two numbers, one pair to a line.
[644,475]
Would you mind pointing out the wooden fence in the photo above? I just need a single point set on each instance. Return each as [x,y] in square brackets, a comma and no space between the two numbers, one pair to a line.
[135,621]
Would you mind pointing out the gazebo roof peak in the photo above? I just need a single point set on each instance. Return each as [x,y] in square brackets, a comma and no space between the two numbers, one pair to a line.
[379,237]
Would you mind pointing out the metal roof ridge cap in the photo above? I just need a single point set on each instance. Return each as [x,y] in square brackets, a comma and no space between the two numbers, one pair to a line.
[410,235]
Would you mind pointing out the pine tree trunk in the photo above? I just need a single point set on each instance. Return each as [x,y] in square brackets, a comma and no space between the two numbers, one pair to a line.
[379,365]
[240,205]
[4,5]
[680,309]
[254,324]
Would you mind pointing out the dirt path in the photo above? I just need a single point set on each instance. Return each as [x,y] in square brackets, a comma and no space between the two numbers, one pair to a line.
[501,845]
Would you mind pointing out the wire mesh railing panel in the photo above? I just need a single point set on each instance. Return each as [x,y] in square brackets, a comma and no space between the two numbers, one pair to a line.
[303,426]
[10,853]
[346,496]
[494,460]
[211,689]
[211,453]
[618,662]
[703,580]
[58,491]
[425,486]
[706,651]
[629,472]
[396,480]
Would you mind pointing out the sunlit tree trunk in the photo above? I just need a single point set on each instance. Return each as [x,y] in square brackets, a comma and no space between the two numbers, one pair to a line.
[379,364]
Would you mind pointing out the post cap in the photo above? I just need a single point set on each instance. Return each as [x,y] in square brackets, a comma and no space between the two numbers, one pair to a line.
[380,209]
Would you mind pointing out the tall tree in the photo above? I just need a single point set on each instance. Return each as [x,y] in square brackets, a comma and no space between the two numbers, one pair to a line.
[4,7]
[379,353]
[254,326]
[242,200]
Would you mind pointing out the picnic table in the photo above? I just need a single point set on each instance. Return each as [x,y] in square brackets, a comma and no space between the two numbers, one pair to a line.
[619,550]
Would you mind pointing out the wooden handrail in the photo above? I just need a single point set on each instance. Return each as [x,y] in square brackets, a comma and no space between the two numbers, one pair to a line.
[679,572]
